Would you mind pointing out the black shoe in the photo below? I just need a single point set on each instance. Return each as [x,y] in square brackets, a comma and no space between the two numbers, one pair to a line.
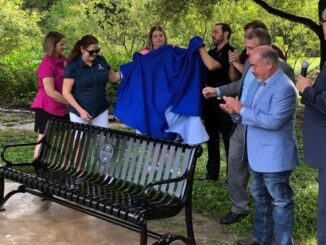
[207,178]
[231,218]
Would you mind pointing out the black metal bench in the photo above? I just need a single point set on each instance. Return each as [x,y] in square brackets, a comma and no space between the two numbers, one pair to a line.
[120,177]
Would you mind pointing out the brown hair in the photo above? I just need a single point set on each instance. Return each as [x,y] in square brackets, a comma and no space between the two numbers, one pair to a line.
[50,41]
[255,24]
[149,44]
[225,28]
[84,42]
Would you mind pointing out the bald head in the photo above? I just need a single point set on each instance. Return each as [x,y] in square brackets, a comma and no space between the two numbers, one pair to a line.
[264,61]
[267,53]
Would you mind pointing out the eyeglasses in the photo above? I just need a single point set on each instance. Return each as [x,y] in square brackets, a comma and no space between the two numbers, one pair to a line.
[321,22]
[93,52]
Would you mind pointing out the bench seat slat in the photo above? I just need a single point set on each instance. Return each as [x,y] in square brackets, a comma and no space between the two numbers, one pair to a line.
[116,199]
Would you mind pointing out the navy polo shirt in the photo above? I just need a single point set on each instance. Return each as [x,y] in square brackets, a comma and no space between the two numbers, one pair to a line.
[89,86]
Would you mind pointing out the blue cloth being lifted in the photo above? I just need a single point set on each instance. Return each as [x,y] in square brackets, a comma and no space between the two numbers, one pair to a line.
[167,80]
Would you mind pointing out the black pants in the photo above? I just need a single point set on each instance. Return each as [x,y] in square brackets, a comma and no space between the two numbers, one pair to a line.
[217,123]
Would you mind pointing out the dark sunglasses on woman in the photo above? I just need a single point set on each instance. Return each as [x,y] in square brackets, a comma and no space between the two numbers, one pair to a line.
[93,52]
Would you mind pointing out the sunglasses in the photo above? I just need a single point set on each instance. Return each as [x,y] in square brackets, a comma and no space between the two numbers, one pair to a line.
[321,22]
[93,52]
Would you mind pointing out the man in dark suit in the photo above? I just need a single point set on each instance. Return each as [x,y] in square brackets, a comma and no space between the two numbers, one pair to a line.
[314,134]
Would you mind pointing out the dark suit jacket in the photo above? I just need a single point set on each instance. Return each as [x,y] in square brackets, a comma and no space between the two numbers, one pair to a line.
[314,125]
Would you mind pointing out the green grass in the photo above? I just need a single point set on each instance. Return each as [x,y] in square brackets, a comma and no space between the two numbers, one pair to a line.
[14,118]
[12,136]
[212,198]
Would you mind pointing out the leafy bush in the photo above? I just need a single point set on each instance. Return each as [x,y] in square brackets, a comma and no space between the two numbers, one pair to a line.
[115,60]
[17,77]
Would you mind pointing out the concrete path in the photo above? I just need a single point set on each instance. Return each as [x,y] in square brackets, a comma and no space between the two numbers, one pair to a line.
[28,220]
[30,126]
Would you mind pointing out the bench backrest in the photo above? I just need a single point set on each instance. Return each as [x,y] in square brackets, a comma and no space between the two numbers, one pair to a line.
[111,155]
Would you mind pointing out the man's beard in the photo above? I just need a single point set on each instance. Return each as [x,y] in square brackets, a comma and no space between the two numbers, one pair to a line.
[216,42]
[260,80]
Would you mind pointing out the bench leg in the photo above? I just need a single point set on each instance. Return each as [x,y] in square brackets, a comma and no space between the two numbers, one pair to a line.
[3,200]
[143,235]
[188,215]
[190,239]
[2,192]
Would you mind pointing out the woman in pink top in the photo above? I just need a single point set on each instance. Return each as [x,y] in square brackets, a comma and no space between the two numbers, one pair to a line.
[156,38]
[49,101]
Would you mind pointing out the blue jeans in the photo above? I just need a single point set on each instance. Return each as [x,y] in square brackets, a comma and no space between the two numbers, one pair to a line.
[274,207]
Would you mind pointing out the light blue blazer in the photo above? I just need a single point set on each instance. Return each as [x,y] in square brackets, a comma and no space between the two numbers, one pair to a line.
[269,118]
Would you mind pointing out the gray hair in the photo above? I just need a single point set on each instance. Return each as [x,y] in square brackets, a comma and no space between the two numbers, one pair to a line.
[262,35]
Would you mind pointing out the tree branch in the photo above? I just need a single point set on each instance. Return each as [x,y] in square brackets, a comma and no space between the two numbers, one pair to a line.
[305,21]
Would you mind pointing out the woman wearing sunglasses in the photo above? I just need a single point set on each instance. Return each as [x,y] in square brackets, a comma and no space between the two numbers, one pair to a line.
[85,79]
[49,102]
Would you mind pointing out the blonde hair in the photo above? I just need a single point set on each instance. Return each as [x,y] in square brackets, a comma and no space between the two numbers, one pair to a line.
[50,41]
[149,44]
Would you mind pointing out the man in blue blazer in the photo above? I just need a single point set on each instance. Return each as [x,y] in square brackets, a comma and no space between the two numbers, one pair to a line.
[268,114]
[314,134]
[238,172]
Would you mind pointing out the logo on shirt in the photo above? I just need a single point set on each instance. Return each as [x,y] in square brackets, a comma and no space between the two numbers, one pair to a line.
[100,67]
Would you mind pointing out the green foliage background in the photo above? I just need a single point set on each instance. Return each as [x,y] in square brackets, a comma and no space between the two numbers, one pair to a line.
[122,27]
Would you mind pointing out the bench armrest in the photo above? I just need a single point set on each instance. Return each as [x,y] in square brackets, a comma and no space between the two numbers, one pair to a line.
[10,163]
[166,181]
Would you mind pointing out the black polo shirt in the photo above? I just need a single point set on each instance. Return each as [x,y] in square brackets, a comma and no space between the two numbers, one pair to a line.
[89,86]
[220,77]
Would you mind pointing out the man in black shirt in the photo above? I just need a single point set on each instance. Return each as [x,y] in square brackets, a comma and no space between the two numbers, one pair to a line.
[217,121]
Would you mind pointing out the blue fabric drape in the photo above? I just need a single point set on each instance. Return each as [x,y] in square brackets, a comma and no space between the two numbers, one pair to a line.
[168,77]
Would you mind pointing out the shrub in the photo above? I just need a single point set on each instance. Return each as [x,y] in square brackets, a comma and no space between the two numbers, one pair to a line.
[17,77]
[115,60]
